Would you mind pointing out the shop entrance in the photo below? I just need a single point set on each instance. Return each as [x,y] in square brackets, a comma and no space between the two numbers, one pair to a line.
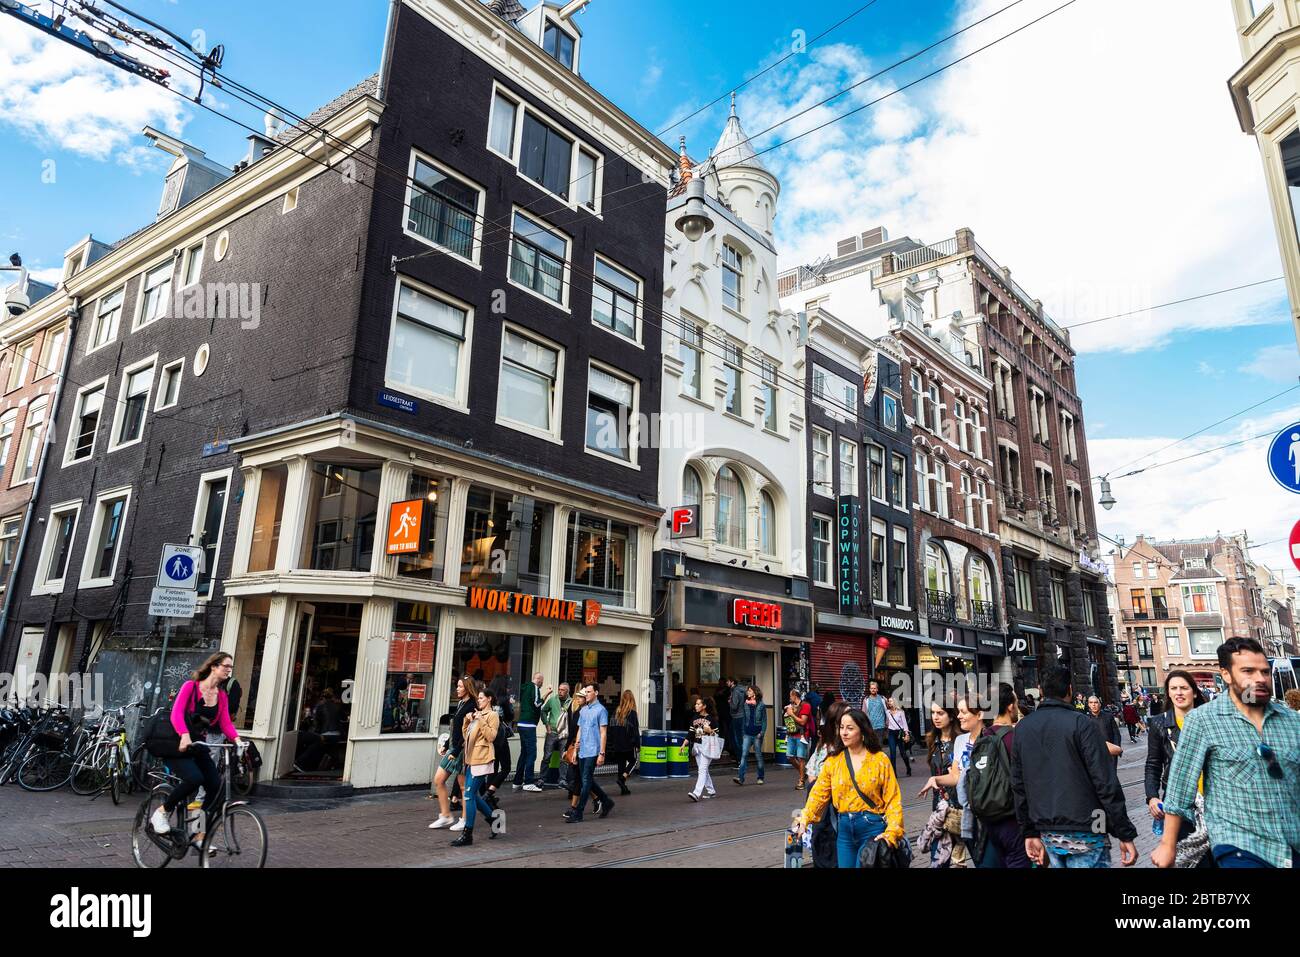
[703,670]
[602,667]
[318,697]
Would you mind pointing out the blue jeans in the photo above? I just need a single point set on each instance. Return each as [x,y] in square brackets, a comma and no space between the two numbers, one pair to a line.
[856,828]
[587,768]
[1097,858]
[750,741]
[1228,855]
[896,741]
[474,799]
[527,754]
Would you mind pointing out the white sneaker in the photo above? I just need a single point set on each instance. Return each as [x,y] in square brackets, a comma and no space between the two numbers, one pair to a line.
[458,826]
[532,787]
[159,821]
[442,821]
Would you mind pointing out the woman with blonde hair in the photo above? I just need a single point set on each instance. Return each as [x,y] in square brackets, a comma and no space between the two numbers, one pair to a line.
[624,738]
[480,734]
[450,765]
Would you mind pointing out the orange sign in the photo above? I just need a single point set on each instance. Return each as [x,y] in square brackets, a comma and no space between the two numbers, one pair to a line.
[516,603]
[404,527]
[416,692]
[591,612]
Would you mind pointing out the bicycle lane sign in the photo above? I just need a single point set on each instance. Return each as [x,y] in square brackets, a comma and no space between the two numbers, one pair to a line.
[1284,458]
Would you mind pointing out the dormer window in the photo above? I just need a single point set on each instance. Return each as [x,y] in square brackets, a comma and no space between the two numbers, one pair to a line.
[1195,563]
[559,45]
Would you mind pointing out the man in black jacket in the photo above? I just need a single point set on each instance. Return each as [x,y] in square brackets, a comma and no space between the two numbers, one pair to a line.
[1068,797]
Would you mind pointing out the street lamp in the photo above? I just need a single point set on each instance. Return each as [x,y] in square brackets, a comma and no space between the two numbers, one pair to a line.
[694,221]
[1107,499]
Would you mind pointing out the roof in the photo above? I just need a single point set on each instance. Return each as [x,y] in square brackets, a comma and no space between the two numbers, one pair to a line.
[734,148]
[510,10]
[367,87]
[1195,574]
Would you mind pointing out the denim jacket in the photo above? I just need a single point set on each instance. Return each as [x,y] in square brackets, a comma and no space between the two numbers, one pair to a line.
[747,717]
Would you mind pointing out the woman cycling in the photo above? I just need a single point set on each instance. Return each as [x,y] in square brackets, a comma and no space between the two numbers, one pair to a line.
[1164,731]
[200,711]
[481,730]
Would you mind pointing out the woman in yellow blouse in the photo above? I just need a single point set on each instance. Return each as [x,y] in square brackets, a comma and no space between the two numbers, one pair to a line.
[871,810]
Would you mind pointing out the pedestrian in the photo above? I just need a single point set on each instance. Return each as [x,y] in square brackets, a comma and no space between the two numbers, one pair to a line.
[1079,704]
[1131,719]
[705,737]
[1292,698]
[737,705]
[1246,748]
[570,759]
[1165,731]
[1068,798]
[859,783]
[327,724]
[753,732]
[991,797]
[624,738]
[593,729]
[798,731]
[555,715]
[500,771]
[1027,705]
[814,698]
[827,746]
[900,736]
[480,732]
[722,708]
[971,721]
[530,712]
[450,766]
[1109,729]
[873,705]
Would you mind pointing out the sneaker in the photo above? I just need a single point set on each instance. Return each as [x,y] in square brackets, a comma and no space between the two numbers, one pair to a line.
[760,780]
[442,821]
[605,808]
[693,796]
[458,826]
[739,781]
[516,787]
[709,794]
[533,787]
[570,814]
[159,821]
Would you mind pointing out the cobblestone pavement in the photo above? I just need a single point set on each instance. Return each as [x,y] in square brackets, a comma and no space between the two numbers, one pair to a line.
[655,826]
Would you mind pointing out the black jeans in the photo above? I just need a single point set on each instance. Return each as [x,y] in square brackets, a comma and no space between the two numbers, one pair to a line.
[587,770]
[195,768]
[626,761]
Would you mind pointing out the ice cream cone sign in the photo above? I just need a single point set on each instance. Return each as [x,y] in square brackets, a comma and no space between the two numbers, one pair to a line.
[882,645]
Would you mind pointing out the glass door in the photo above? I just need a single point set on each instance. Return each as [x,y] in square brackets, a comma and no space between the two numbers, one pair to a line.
[295,689]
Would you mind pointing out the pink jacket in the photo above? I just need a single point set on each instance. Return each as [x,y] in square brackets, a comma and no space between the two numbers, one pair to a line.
[187,701]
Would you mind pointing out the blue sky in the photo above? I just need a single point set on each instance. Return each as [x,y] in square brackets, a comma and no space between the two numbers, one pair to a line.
[1108,172]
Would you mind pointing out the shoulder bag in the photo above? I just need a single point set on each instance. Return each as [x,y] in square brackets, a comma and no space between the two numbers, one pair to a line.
[878,854]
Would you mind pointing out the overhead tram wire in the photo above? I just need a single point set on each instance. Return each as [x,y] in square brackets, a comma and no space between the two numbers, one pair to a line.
[1176,302]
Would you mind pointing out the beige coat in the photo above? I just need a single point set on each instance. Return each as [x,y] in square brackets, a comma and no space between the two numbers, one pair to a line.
[479,748]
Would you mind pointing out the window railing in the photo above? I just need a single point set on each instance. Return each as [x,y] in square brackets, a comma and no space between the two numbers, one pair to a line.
[940,606]
[1157,613]
[925,254]
[984,614]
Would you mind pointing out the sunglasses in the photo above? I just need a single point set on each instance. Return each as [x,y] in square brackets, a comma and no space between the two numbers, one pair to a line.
[1270,756]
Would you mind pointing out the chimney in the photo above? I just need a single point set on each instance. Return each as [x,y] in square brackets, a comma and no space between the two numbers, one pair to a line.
[190,176]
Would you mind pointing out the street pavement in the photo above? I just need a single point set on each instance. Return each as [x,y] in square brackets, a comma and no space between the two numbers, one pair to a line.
[656,826]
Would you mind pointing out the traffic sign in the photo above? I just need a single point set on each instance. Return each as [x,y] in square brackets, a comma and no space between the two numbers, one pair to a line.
[173,602]
[179,566]
[1295,545]
[1284,458]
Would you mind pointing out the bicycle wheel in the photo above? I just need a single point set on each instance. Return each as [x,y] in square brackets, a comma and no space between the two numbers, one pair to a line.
[142,763]
[239,838]
[45,771]
[150,850]
[89,772]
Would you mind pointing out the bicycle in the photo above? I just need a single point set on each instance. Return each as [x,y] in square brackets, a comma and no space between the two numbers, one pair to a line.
[48,763]
[236,838]
[105,762]
[36,723]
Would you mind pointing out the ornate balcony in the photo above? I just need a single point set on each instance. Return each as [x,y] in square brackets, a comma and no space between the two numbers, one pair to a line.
[940,606]
[984,614]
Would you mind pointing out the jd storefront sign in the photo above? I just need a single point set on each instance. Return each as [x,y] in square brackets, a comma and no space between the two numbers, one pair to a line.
[849,552]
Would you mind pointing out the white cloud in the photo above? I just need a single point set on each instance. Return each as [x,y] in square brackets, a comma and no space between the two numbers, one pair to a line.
[1275,363]
[1103,164]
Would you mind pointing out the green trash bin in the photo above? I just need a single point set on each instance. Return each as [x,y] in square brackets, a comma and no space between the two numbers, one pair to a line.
[679,754]
[782,758]
[654,754]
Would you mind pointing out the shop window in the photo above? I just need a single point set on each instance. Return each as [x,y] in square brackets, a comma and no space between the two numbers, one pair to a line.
[604,669]
[341,526]
[821,556]
[408,687]
[497,660]
[766,524]
[600,561]
[730,522]
[427,562]
[507,542]
[249,644]
[1204,642]
[266,521]
[692,487]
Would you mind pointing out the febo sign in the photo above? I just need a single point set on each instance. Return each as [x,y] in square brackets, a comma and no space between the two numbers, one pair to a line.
[756,614]
[685,521]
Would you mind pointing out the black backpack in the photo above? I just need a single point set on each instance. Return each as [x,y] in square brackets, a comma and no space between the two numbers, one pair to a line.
[988,779]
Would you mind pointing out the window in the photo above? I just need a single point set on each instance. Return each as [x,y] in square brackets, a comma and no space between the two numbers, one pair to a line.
[29,449]
[976,434]
[269,513]
[545,156]
[1259,6]
[107,318]
[1172,646]
[733,373]
[1138,597]
[731,514]
[428,349]
[558,44]
[51,352]
[690,350]
[1137,569]
[1009,471]
[100,564]
[1204,642]
[192,265]
[767,370]
[169,388]
[1058,595]
[600,561]
[834,392]
[154,293]
[1200,599]
[1194,562]
[615,296]
[733,278]
[766,523]
[940,491]
[918,399]
[898,481]
[9,529]
[1068,448]
[22,361]
[876,471]
[133,404]
[1024,584]
[937,577]
[209,520]
[889,411]
[443,209]
[81,443]
[538,259]
[821,556]
[959,413]
[611,414]
[922,481]
[1151,569]
[426,561]
[7,423]
[979,585]
[1144,644]
[898,569]
[59,533]
[692,487]
[586,185]
[936,409]
[848,467]
[527,395]
[821,449]
[984,503]
[1089,605]
[877,560]
[501,132]
[340,529]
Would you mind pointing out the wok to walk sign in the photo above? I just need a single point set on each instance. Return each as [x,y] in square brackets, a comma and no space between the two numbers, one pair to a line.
[515,603]
[404,521]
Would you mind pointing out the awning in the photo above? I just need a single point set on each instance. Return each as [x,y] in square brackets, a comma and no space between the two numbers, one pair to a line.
[829,621]
[1030,628]
[711,639]
[908,635]
[1097,641]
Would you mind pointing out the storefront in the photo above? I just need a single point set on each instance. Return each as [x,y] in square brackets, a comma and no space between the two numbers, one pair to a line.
[1025,647]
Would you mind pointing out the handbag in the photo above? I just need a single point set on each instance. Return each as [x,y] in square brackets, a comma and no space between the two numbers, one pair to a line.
[952,821]
[161,738]
[711,746]
[876,853]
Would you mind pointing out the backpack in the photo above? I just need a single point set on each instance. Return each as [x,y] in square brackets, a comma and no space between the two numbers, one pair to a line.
[988,780]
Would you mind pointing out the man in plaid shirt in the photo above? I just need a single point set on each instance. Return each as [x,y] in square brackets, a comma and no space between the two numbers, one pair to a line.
[1246,749]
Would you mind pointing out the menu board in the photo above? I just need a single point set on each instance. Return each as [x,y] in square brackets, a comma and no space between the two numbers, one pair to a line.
[710,666]
[411,651]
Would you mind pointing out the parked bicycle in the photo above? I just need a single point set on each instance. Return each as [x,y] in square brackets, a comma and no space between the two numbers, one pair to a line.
[104,763]
[236,837]
[46,739]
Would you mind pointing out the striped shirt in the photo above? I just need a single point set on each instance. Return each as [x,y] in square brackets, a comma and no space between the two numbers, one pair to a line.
[1245,806]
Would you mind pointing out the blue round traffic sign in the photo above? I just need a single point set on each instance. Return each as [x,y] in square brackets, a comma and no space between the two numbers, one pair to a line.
[179,568]
[1284,458]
